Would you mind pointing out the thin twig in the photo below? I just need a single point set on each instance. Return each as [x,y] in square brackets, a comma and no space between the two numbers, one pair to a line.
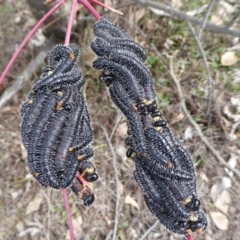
[235,17]
[195,125]
[30,34]
[183,16]
[26,74]
[116,179]
[118,119]
[149,230]
[209,9]
[210,80]
[70,22]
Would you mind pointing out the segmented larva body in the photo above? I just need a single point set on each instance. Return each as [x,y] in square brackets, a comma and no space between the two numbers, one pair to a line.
[120,98]
[164,170]
[128,81]
[121,46]
[56,127]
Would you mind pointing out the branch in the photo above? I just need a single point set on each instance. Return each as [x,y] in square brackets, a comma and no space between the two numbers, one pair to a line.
[183,16]
[144,236]
[210,6]
[24,42]
[116,175]
[210,80]
[195,125]
[27,73]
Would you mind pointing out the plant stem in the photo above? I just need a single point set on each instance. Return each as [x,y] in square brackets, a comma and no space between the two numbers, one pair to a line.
[189,237]
[24,42]
[70,22]
[90,8]
[69,216]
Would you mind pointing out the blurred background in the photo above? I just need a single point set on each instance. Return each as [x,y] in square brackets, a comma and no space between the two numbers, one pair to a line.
[203,55]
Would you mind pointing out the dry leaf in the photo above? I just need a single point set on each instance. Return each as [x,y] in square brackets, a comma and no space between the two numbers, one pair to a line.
[32,231]
[121,188]
[188,133]
[121,151]
[229,59]
[15,194]
[139,14]
[131,201]
[34,205]
[218,188]
[220,220]
[235,117]
[223,201]
[121,130]
[232,162]
[204,177]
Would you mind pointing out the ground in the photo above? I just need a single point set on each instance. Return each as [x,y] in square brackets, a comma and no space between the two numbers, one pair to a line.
[28,211]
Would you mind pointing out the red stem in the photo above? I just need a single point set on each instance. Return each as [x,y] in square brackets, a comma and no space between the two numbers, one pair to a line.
[69,216]
[70,22]
[64,191]
[189,237]
[24,42]
[82,180]
[90,8]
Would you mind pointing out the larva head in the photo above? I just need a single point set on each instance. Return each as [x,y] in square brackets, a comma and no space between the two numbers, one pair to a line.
[194,204]
[88,199]
[59,53]
[91,177]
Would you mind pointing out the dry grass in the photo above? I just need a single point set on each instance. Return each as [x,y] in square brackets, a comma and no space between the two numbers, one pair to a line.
[26,208]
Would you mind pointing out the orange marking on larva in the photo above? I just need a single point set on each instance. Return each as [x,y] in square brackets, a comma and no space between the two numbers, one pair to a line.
[71,56]
[59,106]
[169,165]
[134,108]
[186,200]
[193,218]
[80,157]
[59,93]
[71,149]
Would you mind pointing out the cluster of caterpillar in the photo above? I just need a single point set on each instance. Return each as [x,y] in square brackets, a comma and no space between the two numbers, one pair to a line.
[56,127]
[163,168]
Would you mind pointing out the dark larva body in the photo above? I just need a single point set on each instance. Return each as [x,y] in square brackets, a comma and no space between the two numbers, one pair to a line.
[127,79]
[31,110]
[34,134]
[52,119]
[162,201]
[119,97]
[164,170]
[108,26]
[102,46]
[139,70]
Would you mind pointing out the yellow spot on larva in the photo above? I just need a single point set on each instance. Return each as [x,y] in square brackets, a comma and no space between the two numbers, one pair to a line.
[193,218]
[80,157]
[30,102]
[59,106]
[186,200]
[71,149]
[71,56]
[169,165]
[59,93]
